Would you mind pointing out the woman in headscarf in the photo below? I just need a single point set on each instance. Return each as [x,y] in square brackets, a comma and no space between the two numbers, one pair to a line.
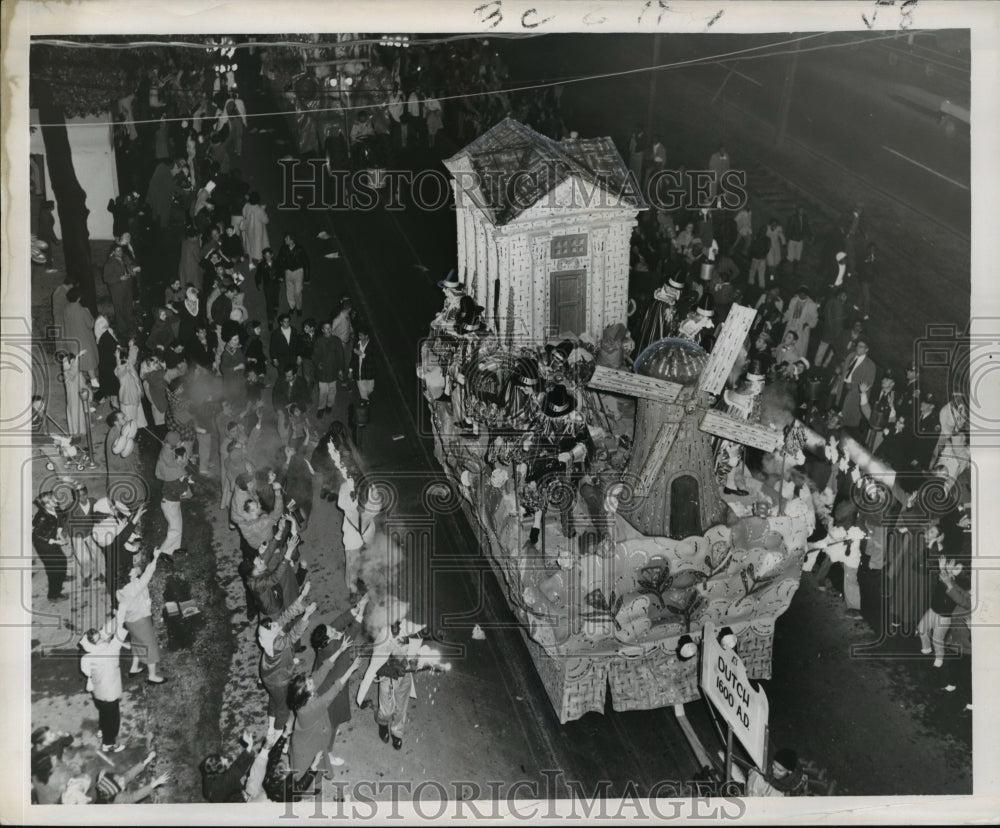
[312,731]
[107,360]
[191,316]
[233,364]
[138,619]
[162,334]
[129,385]
[278,638]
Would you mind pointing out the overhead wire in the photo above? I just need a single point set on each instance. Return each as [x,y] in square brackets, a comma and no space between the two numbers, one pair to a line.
[267,44]
[738,55]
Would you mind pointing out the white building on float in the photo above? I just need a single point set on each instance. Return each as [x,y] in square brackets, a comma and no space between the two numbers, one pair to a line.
[543,243]
[543,231]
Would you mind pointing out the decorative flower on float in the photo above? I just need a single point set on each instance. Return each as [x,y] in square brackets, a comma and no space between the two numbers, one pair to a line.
[499,478]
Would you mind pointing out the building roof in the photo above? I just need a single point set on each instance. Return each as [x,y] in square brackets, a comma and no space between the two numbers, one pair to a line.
[510,147]
[673,360]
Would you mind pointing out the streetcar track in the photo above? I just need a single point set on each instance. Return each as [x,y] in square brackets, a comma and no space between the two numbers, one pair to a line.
[639,770]
[497,644]
[511,652]
[842,170]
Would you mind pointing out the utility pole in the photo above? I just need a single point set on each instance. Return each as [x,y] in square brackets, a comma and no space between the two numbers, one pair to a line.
[786,96]
[650,126]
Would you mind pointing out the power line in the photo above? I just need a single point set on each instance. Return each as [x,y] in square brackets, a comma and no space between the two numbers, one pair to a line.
[738,55]
[267,44]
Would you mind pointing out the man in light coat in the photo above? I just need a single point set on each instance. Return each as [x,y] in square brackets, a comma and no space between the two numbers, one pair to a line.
[801,317]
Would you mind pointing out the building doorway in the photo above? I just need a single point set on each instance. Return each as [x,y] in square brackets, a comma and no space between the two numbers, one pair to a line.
[685,507]
[568,301]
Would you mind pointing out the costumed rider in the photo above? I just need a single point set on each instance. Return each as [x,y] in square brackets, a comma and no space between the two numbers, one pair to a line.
[706,270]
[617,346]
[698,268]
[660,317]
[471,333]
[741,404]
[697,325]
[523,407]
[437,352]
[559,449]
[454,290]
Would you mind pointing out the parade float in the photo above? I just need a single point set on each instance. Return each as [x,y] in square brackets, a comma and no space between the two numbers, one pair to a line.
[596,477]
[325,87]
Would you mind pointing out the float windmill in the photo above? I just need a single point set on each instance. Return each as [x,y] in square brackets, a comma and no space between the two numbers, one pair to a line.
[673,462]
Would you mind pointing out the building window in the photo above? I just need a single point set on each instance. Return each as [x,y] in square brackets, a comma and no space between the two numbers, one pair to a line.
[564,247]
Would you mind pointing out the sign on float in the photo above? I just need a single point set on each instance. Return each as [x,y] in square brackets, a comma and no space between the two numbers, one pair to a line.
[724,683]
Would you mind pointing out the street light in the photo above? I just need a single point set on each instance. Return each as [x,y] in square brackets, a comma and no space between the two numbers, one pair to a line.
[397,41]
[727,638]
[686,648]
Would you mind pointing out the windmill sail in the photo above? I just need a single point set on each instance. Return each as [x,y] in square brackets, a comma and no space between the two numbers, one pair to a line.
[727,348]
[633,385]
[721,425]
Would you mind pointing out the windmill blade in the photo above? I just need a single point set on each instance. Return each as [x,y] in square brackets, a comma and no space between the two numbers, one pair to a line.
[633,385]
[749,434]
[657,455]
[727,348]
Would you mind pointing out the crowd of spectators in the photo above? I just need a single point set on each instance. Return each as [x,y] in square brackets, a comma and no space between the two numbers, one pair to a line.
[898,514]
